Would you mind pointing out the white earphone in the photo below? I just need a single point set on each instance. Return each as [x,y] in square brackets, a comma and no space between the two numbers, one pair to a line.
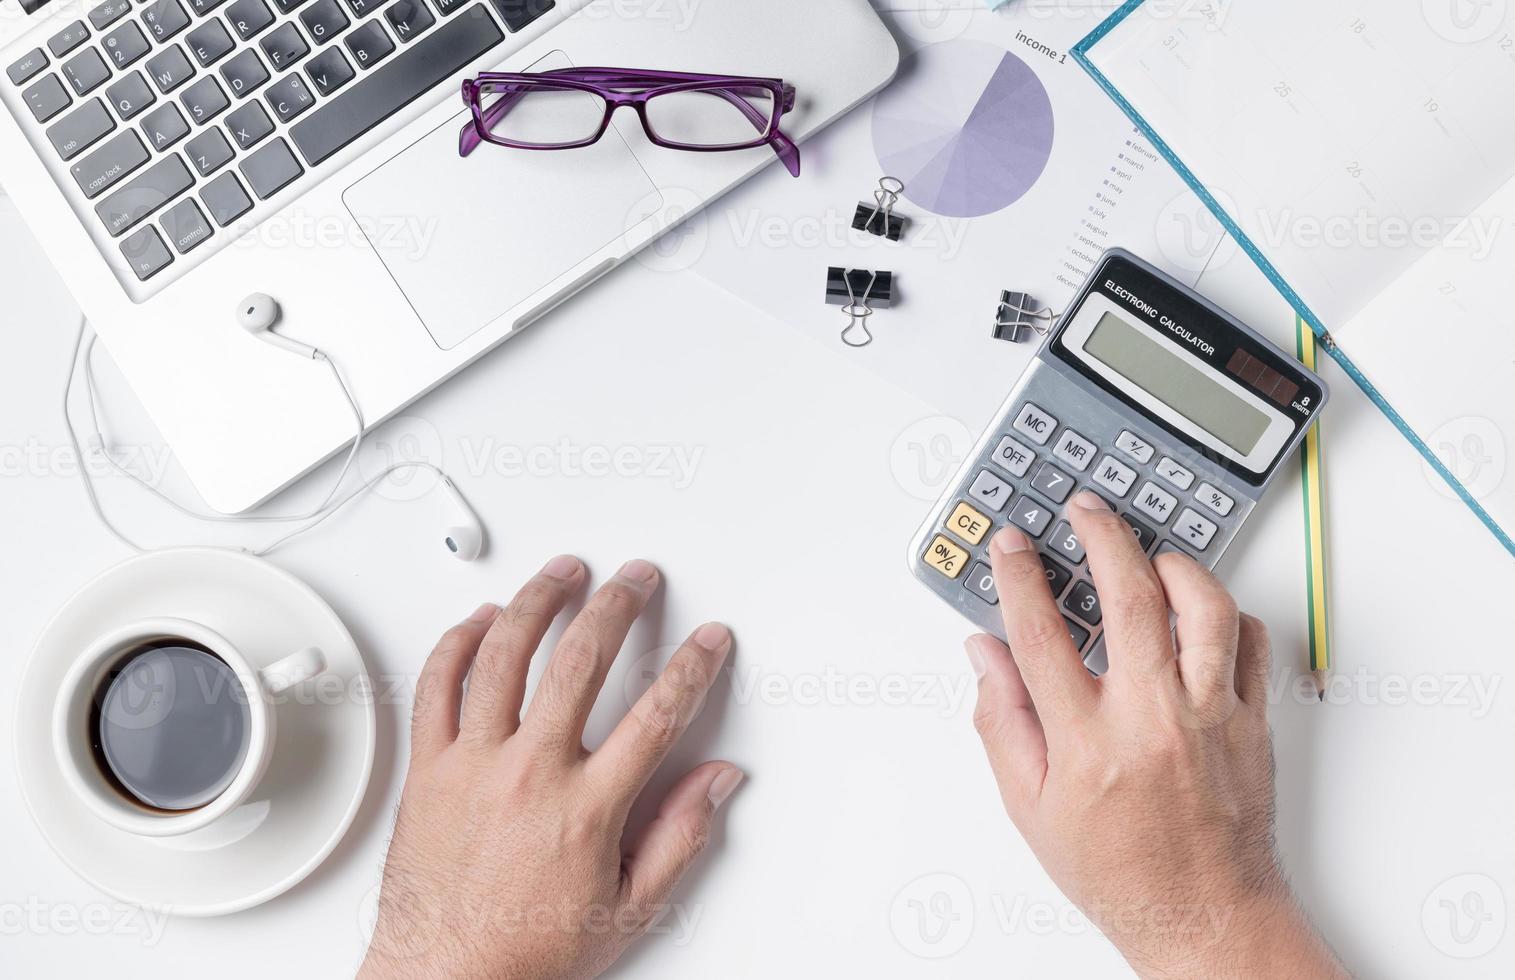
[257,314]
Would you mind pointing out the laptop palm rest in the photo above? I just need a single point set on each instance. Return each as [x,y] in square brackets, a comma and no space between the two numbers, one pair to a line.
[466,239]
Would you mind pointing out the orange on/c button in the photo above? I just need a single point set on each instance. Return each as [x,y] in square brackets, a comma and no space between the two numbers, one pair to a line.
[968,524]
[946,557]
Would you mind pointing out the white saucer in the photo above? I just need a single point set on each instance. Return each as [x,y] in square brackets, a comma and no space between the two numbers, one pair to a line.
[321,762]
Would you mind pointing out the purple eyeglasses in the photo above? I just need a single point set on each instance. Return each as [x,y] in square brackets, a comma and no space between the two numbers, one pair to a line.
[571,107]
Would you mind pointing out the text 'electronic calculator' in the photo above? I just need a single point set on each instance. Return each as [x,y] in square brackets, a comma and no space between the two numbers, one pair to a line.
[1174,412]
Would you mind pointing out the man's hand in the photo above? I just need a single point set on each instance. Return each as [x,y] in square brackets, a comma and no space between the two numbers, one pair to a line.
[508,858]
[1147,794]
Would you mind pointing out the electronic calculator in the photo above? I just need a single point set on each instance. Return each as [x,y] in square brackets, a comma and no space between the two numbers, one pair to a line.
[1169,408]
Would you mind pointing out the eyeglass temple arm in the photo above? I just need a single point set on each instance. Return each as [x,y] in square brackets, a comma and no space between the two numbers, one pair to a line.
[469,138]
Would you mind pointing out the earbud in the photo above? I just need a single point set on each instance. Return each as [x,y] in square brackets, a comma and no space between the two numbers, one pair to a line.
[257,314]
[465,538]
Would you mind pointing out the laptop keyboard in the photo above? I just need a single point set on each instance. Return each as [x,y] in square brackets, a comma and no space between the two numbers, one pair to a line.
[179,117]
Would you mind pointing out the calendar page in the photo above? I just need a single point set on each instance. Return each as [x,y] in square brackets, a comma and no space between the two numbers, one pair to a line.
[1366,151]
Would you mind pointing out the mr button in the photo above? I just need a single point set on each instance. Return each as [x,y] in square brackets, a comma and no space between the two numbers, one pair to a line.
[968,524]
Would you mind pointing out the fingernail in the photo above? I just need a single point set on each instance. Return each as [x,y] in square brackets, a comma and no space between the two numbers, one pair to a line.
[638,570]
[484,613]
[713,637]
[723,786]
[1009,540]
[563,567]
[975,657]
[1089,500]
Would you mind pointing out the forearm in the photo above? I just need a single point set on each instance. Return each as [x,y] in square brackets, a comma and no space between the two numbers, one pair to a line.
[1264,937]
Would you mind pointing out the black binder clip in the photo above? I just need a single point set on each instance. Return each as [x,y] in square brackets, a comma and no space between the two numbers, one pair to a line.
[879,218]
[858,292]
[1020,317]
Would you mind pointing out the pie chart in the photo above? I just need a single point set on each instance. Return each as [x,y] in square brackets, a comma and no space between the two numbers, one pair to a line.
[967,127]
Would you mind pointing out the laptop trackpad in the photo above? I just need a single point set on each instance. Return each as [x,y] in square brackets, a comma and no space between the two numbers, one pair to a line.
[468,238]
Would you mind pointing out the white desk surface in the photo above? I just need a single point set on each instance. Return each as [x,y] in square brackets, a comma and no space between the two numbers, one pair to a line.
[850,702]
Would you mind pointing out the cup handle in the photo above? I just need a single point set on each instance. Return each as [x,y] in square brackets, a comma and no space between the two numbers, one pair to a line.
[294,669]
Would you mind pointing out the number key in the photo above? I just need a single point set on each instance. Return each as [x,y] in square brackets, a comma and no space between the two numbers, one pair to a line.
[165,18]
[981,583]
[1144,534]
[1058,577]
[1030,515]
[1052,483]
[1083,602]
[1065,542]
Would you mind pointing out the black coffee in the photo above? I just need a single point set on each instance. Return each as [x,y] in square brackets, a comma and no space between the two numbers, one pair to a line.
[171,726]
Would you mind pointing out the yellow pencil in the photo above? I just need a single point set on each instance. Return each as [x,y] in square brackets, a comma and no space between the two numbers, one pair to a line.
[1315,531]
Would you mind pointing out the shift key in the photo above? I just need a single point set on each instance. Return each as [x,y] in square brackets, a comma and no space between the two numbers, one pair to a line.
[116,157]
[144,194]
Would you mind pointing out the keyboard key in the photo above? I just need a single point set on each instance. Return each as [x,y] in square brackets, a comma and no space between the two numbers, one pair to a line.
[270,169]
[408,18]
[1052,483]
[1115,476]
[164,126]
[104,167]
[1077,633]
[284,46]
[990,491]
[1058,577]
[1134,446]
[981,583]
[447,7]
[362,8]
[517,14]
[1015,458]
[285,6]
[1214,499]
[204,100]
[1175,474]
[244,73]
[203,7]
[146,253]
[248,124]
[329,71]
[130,94]
[1074,450]
[108,13]
[324,21]
[968,524]
[1144,534]
[1030,515]
[80,129]
[46,98]
[946,557]
[1194,529]
[209,43]
[85,71]
[249,18]
[1036,424]
[67,40]
[164,19]
[1083,602]
[1155,502]
[25,68]
[288,97]
[1097,660]
[125,44]
[170,68]
[185,226]
[144,194]
[208,152]
[1065,544]
[225,199]
[368,44]
[414,72]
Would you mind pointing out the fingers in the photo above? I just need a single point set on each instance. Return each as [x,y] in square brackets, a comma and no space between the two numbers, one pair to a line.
[1134,609]
[573,677]
[1053,672]
[660,855]
[497,685]
[439,689]
[641,741]
[1254,659]
[1208,625]
[1006,721]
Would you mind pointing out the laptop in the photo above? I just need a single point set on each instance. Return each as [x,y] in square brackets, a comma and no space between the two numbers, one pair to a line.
[173,156]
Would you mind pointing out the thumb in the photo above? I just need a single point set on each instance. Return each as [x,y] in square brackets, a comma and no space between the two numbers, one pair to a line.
[658,857]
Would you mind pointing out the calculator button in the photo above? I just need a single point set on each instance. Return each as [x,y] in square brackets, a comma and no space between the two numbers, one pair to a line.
[1058,577]
[1134,446]
[1114,476]
[981,583]
[1030,515]
[946,557]
[1155,502]
[1078,633]
[1098,659]
[1074,450]
[1064,543]
[1174,474]
[990,491]
[1214,499]
[1144,534]
[1194,529]
[1052,483]
[968,524]
[1169,548]
[1036,423]
[1014,457]
[1083,602]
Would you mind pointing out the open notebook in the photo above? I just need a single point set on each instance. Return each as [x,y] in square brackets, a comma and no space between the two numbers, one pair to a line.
[1363,154]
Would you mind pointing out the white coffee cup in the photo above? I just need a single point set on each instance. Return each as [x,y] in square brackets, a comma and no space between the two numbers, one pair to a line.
[73,720]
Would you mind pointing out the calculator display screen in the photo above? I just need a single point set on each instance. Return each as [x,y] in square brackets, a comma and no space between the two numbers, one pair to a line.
[1178,383]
